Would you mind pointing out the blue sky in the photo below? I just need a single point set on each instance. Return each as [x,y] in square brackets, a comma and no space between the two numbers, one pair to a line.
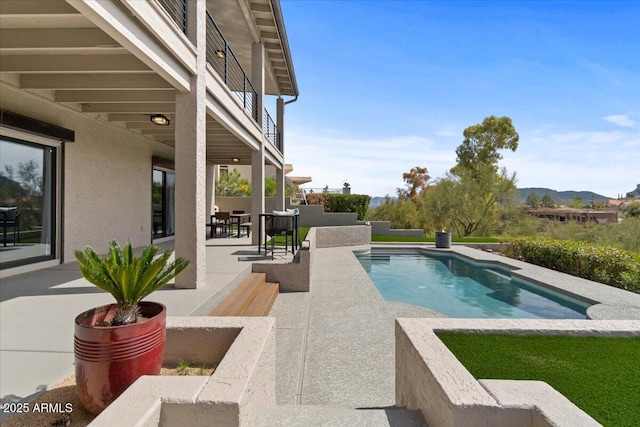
[389,85]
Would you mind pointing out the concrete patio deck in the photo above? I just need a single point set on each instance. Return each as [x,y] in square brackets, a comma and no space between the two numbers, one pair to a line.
[335,345]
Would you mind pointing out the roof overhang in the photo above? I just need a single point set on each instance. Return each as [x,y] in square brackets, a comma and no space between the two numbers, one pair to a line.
[245,22]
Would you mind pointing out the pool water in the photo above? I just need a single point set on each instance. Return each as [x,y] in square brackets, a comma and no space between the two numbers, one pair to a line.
[458,288]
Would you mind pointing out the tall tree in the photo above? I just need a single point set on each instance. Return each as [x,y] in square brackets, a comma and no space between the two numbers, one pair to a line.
[576,203]
[467,203]
[416,182]
[548,201]
[467,198]
[533,200]
[482,142]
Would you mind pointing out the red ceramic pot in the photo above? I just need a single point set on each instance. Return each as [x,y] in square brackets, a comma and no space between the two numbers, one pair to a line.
[110,358]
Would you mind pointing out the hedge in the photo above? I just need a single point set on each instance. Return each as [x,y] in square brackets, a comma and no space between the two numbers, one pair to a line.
[604,264]
[358,203]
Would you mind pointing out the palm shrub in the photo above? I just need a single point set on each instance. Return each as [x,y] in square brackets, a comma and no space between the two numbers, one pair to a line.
[129,279]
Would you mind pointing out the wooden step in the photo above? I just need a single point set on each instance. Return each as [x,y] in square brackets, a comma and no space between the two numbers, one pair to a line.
[238,300]
[262,303]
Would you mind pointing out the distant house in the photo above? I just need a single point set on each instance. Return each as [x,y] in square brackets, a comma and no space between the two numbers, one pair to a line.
[621,203]
[578,215]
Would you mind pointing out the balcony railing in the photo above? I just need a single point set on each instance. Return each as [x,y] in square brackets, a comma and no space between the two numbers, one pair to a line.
[177,9]
[271,131]
[226,65]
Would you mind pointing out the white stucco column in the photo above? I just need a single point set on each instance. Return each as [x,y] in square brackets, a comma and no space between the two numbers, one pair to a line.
[211,190]
[280,121]
[190,159]
[280,184]
[257,157]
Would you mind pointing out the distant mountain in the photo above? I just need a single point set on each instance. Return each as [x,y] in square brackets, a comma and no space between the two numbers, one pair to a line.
[377,201]
[635,192]
[561,196]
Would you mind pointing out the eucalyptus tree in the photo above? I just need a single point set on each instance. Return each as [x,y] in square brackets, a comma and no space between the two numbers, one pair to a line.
[467,198]
[483,141]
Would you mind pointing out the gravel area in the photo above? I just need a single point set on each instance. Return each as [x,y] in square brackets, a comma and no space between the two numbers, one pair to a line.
[60,405]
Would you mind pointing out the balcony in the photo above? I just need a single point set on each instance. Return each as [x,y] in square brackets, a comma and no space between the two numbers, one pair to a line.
[225,63]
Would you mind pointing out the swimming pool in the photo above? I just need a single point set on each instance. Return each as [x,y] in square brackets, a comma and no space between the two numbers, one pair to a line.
[458,288]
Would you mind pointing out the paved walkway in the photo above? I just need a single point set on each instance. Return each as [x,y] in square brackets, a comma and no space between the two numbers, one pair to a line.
[335,345]
[37,312]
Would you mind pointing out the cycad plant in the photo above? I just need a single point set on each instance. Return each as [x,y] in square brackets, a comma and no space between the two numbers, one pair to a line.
[129,279]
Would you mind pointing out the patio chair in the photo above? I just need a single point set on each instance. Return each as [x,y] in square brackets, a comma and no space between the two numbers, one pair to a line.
[246,225]
[10,218]
[279,225]
[222,222]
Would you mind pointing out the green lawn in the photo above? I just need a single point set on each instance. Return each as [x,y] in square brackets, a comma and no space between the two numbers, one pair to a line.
[280,239]
[601,375]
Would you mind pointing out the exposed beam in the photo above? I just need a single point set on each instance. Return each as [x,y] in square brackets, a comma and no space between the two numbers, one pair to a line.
[114,96]
[276,55]
[272,45]
[132,118]
[39,7]
[269,35]
[265,22]
[71,64]
[155,108]
[148,125]
[159,130]
[93,81]
[24,39]
[257,7]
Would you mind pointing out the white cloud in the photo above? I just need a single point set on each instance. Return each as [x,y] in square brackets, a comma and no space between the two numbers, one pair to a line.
[607,163]
[620,120]
[371,166]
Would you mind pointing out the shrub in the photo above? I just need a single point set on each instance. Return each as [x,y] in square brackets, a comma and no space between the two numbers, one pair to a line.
[400,213]
[316,199]
[604,264]
[358,203]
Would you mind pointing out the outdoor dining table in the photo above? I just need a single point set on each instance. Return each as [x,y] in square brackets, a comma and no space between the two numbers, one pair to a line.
[296,234]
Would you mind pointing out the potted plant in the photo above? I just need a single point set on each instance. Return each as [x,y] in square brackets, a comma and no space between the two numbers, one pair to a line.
[115,344]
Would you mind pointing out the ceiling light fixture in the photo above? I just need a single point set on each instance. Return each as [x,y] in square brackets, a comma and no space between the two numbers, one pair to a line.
[160,120]
[220,53]
[235,159]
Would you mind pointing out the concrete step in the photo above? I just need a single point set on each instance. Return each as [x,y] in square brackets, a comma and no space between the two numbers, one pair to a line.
[310,416]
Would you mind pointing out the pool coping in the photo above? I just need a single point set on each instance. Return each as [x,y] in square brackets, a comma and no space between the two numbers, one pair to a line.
[609,303]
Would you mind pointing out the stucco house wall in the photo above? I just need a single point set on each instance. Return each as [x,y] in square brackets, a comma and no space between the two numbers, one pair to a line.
[107,175]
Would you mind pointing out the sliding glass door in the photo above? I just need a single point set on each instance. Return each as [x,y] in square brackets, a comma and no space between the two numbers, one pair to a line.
[27,202]
[163,203]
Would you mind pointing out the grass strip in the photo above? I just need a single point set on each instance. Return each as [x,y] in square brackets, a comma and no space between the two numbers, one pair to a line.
[383,238]
[280,240]
[601,375]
